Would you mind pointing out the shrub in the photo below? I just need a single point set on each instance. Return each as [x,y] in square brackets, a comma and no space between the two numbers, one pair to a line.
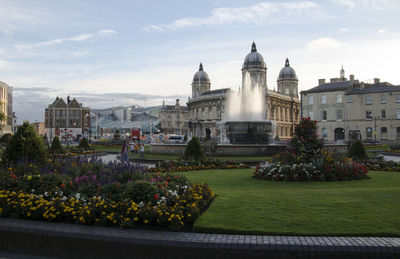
[56,146]
[26,144]
[193,149]
[84,144]
[357,150]
[117,135]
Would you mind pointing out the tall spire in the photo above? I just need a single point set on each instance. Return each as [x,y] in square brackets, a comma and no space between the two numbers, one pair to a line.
[287,63]
[253,47]
[342,73]
[201,67]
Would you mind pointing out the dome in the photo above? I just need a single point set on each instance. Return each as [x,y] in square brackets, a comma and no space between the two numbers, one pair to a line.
[253,58]
[201,76]
[287,72]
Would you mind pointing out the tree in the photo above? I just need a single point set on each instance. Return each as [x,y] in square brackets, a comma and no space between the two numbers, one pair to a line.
[26,145]
[193,149]
[117,135]
[357,150]
[56,146]
[83,144]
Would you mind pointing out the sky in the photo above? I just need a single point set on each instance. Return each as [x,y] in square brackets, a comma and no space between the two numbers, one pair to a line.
[121,52]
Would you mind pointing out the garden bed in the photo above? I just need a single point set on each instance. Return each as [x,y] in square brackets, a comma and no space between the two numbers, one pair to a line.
[89,192]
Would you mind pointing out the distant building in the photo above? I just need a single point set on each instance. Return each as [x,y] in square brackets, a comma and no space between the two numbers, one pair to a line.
[6,103]
[40,128]
[67,120]
[174,119]
[345,107]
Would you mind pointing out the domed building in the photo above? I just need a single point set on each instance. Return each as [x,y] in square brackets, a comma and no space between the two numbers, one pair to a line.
[206,106]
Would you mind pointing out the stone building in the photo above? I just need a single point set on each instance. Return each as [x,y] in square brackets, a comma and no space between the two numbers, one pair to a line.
[6,106]
[67,120]
[174,119]
[40,128]
[206,106]
[345,107]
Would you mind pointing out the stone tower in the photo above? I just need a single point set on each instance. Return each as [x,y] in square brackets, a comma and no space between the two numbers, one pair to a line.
[201,82]
[287,81]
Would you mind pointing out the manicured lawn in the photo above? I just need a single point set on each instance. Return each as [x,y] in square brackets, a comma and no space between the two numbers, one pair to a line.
[107,149]
[174,157]
[246,205]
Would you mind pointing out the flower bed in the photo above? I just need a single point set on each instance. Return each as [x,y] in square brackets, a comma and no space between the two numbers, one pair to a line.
[306,161]
[190,165]
[380,165]
[116,194]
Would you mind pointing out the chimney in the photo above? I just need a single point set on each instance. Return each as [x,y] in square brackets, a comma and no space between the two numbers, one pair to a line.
[351,78]
[321,81]
[177,102]
[376,81]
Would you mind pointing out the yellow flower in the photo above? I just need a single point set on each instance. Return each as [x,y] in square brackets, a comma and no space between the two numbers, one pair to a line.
[146,221]
[136,218]
[29,177]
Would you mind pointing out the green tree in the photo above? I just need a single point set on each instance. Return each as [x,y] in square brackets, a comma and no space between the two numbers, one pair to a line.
[357,150]
[193,149]
[117,135]
[56,146]
[83,144]
[26,144]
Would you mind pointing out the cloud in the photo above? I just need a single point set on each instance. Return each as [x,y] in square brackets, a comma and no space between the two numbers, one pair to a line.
[256,13]
[375,4]
[342,30]
[382,31]
[324,43]
[33,89]
[76,38]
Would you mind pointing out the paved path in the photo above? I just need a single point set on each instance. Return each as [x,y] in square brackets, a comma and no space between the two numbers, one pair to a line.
[79,241]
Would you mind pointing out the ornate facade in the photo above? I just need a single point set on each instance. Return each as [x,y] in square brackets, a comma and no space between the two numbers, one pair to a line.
[206,107]
[174,119]
[6,104]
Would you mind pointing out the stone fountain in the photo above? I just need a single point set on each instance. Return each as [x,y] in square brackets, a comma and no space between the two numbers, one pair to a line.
[244,120]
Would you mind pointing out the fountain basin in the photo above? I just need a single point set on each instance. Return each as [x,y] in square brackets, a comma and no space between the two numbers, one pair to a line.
[248,132]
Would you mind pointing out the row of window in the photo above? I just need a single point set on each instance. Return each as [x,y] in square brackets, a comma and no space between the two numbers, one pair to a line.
[368,99]
[369,133]
[63,113]
[339,115]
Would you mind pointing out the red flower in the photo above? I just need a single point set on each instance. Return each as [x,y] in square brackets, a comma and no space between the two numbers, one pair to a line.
[156,196]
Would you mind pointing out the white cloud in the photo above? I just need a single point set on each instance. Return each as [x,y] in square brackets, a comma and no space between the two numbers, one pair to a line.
[343,30]
[255,13]
[76,38]
[381,30]
[324,43]
[375,4]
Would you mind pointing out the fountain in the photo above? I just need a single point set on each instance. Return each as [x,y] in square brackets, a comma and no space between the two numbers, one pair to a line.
[245,120]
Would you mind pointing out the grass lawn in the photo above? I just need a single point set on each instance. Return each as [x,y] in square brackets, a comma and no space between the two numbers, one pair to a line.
[246,205]
[174,157]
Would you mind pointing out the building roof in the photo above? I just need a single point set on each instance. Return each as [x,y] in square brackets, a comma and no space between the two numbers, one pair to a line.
[201,76]
[287,72]
[254,59]
[374,88]
[173,108]
[330,87]
[218,91]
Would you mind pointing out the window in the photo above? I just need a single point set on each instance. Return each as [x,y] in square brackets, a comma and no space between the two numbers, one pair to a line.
[398,98]
[368,115]
[398,114]
[324,133]
[398,132]
[368,99]
[339,115]
[383,114]
[323,99]
[369,132]
[324,115]
[338,98]
[71,113]
[311,99]
[349,98]
[383,98]
[383,133]
[311,115]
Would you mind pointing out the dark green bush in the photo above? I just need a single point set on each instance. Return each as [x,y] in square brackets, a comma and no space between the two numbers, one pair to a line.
[117,135]
[84,144]
[25,145]
[193,149]
[357,150]
[56,146]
